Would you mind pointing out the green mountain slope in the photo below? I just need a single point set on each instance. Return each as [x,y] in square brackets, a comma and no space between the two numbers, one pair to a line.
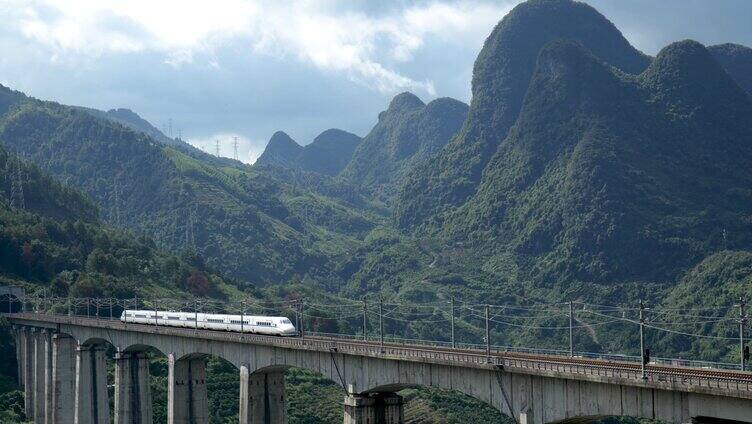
[56,242]
[281,150]
[236,216]
[607,177]
[132,120]
[501,77]
[327,154]
[407,133]
[737,60]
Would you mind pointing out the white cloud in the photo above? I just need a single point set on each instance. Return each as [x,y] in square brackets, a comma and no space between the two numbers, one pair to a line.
[248,150]
[320,33]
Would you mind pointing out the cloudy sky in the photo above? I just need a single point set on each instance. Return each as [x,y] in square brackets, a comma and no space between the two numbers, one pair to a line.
[224,68]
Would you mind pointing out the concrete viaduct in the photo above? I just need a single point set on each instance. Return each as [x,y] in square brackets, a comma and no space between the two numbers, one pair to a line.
[62,366]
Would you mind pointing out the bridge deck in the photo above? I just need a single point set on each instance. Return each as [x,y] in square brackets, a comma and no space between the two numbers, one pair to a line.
[716,381]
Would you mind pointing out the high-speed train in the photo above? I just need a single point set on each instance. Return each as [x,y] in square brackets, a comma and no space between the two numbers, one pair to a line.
[275,326]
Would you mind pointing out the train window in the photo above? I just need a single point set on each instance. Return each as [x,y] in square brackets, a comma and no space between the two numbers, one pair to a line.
[286,321]
[141,316]
[190,319]
[216,321]
[235,321]
[173,318]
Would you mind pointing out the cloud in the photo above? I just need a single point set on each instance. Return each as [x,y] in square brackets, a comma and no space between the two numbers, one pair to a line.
[330,35]
[248,150]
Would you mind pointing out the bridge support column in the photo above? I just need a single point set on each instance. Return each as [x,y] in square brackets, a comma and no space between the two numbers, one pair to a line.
[41,374]
[63,379]
[26,359]
[92,402]
[132,391]
[48,351]
[262,397]
[380,408]
[18,335]
[187,397]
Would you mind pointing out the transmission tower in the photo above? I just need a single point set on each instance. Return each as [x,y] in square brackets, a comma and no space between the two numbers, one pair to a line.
[235,147]
[169,127]
[180,133]
[16,188]
[216,143]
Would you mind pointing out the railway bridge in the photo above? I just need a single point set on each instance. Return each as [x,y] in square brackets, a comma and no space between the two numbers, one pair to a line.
[62,366]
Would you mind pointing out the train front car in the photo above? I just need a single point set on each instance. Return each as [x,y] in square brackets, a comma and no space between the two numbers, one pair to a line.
[285,327]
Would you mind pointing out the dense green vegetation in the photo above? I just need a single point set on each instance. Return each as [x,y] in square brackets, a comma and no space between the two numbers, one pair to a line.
[583,170]
[737,61]
[501,76]
[604,190]
[236,217]
[407,134]
[58,243]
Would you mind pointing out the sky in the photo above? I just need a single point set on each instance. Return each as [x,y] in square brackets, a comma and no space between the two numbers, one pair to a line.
[240,68]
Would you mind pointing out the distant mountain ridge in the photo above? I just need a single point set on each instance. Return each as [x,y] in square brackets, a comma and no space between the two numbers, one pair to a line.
[501,75]
[407,133]
[327,154]
[737,61]
[132,120]
[239,218]
[608,178]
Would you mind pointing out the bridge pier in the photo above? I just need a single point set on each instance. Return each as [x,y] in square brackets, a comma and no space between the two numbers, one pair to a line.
[262,397]
[377,408]
[132,391]
[92,405]
[17,335]
[40,373]
[187,397]
[26,377]
[63,379]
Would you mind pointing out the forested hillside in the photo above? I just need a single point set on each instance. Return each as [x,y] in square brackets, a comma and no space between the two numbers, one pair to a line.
[54,240]
[737,60]
[583,170]
[607,179]
[501,76]
[242,221]
[407,133]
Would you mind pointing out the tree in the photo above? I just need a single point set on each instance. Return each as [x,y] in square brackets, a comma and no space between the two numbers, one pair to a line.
[197,283]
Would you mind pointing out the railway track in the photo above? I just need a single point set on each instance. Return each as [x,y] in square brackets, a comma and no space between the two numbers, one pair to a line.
[604,364]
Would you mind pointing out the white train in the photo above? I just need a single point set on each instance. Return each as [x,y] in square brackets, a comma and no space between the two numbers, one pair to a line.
[275,326]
